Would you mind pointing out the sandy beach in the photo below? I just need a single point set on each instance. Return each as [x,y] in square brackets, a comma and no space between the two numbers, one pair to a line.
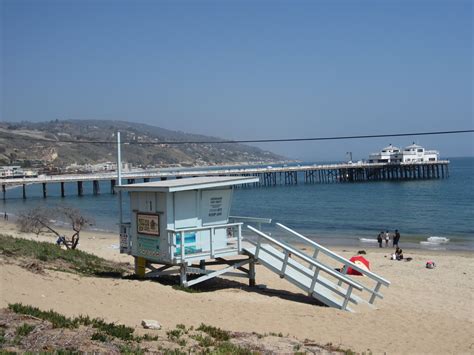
[424,311]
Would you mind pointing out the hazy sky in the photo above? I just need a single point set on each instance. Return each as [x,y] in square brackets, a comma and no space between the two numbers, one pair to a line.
[247,69]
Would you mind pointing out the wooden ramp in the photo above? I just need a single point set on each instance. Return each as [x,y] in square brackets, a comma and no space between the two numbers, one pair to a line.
[331,287]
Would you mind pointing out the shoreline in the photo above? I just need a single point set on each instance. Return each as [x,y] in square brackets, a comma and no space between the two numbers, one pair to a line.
[334,241]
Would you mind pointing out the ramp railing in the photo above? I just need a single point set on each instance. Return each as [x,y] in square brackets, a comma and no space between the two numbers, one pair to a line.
[379,281]
[254,220]
[262,243]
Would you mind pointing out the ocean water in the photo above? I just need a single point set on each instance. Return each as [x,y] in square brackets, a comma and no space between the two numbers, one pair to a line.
[328,213]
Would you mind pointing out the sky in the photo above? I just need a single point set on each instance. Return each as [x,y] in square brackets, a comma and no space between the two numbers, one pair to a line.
[248,69]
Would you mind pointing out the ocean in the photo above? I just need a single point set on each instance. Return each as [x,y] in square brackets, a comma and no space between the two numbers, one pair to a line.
[339,213]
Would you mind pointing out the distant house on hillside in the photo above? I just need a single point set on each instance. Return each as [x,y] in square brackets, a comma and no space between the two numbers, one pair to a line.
[411,154]
[15,171]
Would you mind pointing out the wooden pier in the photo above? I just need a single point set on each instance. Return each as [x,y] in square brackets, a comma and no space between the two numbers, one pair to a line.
[268,176]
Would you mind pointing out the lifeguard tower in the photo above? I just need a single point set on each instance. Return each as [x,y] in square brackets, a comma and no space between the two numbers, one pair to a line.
[183,225]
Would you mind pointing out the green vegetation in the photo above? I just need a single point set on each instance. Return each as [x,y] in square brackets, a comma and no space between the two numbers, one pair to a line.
[174,334]
[24,329]
[205,342]
[216,333]
[208,339]
[59,321]
[174,352]
[227,347]
[128,349]
[332,347]
[64,260]
[99,336]
[181,326]
[2,337]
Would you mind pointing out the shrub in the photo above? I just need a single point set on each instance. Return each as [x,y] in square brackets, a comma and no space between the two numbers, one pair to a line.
[216,333]
[24,329]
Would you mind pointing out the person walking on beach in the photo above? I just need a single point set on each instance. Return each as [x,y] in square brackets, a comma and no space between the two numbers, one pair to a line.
[379,239]
[396,238]
[387,238]
[5,216]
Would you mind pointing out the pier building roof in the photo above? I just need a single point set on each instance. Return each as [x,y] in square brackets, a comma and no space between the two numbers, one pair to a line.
[413,146]
[390,149]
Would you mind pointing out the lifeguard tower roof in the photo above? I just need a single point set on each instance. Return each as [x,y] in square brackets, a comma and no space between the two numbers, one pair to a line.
[188,184]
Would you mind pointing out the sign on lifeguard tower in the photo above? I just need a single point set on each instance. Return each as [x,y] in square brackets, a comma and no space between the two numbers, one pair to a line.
[180,222]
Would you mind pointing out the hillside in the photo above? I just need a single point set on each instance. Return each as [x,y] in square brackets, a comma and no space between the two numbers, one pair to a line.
[41,144]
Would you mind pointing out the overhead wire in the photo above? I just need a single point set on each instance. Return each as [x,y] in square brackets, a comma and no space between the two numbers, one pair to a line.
[238,141]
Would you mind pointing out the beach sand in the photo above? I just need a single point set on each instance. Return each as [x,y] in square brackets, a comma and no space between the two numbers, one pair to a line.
[424,311]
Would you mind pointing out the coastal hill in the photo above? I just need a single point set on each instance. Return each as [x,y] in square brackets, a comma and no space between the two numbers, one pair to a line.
[41,145]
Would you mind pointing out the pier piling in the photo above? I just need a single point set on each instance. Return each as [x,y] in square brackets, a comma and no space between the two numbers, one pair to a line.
[80,190]
[95,187]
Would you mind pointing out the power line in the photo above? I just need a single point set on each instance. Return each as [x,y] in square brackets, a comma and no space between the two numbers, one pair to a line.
[256,140]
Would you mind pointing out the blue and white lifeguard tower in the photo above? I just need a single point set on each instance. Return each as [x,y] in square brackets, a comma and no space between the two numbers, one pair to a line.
[183,225]
[182,222]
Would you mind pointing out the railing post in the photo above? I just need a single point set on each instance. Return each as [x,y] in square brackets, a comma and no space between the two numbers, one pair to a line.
[181,237]
[239,238]
[314,281]
[343,271]
[182,275]
[171,243]
[315,256]
[376,289]
[257,249]
[211,235]
[252,272]
[285,263]
[346,299]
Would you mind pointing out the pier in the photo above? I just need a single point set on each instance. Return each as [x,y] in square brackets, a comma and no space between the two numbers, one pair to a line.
[269,176]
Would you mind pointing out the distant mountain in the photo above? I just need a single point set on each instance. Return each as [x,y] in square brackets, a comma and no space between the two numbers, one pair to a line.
[41,144]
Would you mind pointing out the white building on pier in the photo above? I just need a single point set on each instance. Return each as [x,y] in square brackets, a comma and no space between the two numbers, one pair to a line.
[411,154]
